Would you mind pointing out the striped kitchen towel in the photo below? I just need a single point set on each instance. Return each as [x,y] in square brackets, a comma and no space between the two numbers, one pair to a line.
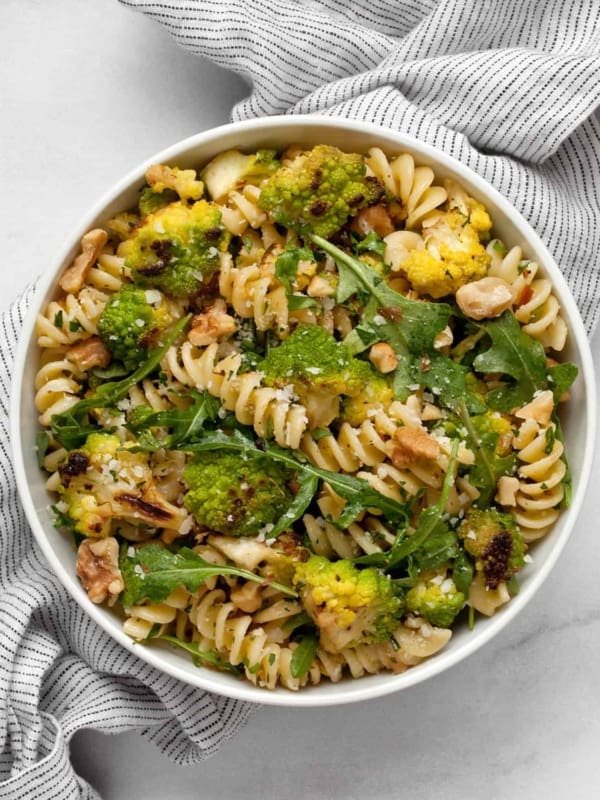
[510,88]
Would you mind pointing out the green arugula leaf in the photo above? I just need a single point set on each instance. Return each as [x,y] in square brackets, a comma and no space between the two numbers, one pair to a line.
[561,377]
[320,433]
[443,377]
[302,499]
[372,243]
[360,338]
[152,572]
[410,326]
[42,442]
[201,658]
[185,425]
[304,655]
[489,466]
[440,547]
[297,621]
[286,270]
[462,572]
[515,354]
[68,427]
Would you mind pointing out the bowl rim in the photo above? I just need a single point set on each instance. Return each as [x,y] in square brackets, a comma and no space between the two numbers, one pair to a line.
[348,691]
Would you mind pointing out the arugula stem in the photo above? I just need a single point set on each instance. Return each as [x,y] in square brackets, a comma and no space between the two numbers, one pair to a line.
[463,413]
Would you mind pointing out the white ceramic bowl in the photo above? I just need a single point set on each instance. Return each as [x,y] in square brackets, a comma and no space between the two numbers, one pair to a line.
[579,413]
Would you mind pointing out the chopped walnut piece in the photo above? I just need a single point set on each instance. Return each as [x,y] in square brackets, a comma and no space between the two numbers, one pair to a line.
[383,357]
[486,298]
[91,246]
[98,569]
[211,326]
[90,353]
[320,287]
[507,489]
[374,218]
[411,443]
[539,409]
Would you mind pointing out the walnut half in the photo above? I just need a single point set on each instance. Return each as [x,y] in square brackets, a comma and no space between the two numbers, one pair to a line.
[91,246]
[98,569]
[213,325]
[411,443]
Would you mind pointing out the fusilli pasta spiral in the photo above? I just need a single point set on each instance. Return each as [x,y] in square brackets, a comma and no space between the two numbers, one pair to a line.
[411,184]
[536,307]
[541,473]
[270,411]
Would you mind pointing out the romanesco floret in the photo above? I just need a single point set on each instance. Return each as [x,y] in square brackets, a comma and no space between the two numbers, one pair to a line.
[436,598]
[104,480]
[319,190]
[453,256]
[150,201]
[232,169]
[350,606]
[235,496]
[130,321]
[176,248]
[166,185]
[321,370]
[495,430]
[494,541]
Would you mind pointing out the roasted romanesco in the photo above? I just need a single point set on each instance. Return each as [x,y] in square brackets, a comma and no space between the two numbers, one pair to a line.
[130,322]
[176,248]
[104,480]
[453,256]
[350,606]
[235,496]
[319,190]
[436,598]
[321,371]
[492,538]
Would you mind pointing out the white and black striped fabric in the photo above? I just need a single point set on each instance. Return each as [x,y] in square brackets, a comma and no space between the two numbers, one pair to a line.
[510,88]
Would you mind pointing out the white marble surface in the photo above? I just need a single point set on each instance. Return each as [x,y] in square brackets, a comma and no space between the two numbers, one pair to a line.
[88,90]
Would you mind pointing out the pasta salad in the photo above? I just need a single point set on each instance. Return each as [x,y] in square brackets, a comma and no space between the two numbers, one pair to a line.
[299,411]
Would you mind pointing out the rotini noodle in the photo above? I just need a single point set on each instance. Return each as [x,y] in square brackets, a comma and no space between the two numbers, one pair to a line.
[535,305]
[541,473]
[270,411]
[412,184]
[254,292]
[71,319]
[57,386]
